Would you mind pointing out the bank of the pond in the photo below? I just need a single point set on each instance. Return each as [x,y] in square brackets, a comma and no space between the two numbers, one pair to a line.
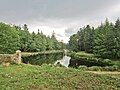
[24,54]
[45,77]
[90,60]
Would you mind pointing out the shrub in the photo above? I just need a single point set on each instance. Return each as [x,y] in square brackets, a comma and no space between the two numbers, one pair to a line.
[90,61]
[82,67]
[106,68]
[107,61]
[111,68]
[72,54]
[114,68]
[118,63]
[95,68]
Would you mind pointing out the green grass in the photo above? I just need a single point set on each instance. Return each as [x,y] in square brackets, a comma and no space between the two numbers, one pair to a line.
[29,77]
[43,52]
[82,53]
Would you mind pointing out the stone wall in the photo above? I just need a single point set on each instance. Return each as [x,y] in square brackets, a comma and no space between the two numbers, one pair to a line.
[11,58]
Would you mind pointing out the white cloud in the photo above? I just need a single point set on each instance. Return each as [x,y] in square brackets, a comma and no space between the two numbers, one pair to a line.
[65,17]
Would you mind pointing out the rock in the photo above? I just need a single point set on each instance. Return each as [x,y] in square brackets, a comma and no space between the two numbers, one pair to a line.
[6,64]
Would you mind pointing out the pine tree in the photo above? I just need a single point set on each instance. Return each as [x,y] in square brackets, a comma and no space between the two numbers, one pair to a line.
[73,43]
[88,39]
[101,39]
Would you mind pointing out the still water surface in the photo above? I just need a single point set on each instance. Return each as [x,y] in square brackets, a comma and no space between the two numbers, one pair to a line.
[48,59]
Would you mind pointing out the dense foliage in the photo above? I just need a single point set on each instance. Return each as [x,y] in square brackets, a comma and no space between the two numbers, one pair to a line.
[104,40]
[79,59]
[14,37]
[9,39]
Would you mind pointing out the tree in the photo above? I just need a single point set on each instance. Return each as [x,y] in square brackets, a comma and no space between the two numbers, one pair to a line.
[54,41]
[33,45]
[101,39]
[114,40]
[88,39]
[50,44]
[25,38]
[83,40]
[9,39]
[104,40]
[73,43]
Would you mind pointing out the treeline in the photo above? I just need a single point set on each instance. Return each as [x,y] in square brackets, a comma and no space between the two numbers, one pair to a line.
[103,41]
[14,37]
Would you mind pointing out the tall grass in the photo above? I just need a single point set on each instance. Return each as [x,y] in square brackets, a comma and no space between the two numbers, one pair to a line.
[49,77]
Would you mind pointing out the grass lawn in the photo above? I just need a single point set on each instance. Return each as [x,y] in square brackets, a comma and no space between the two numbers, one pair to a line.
[85,54]
[29,77]
[43,52]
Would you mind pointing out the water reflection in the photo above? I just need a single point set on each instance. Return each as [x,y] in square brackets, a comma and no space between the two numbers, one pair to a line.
[65,61]
[41,59]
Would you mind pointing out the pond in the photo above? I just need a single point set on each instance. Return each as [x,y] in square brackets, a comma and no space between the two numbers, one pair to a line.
[48,59]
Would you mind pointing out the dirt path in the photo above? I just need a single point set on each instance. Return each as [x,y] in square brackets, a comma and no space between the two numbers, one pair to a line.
[103,72]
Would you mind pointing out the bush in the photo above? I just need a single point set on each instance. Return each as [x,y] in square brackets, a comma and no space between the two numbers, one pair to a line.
[118,63]
[106,68]
[111,68]
[72,54]
[45,65]
[108,61]
[115,67]
[82,67]
[95,68]
[90,61]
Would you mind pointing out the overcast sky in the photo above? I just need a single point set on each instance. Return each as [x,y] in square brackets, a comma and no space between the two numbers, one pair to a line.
[65,17]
